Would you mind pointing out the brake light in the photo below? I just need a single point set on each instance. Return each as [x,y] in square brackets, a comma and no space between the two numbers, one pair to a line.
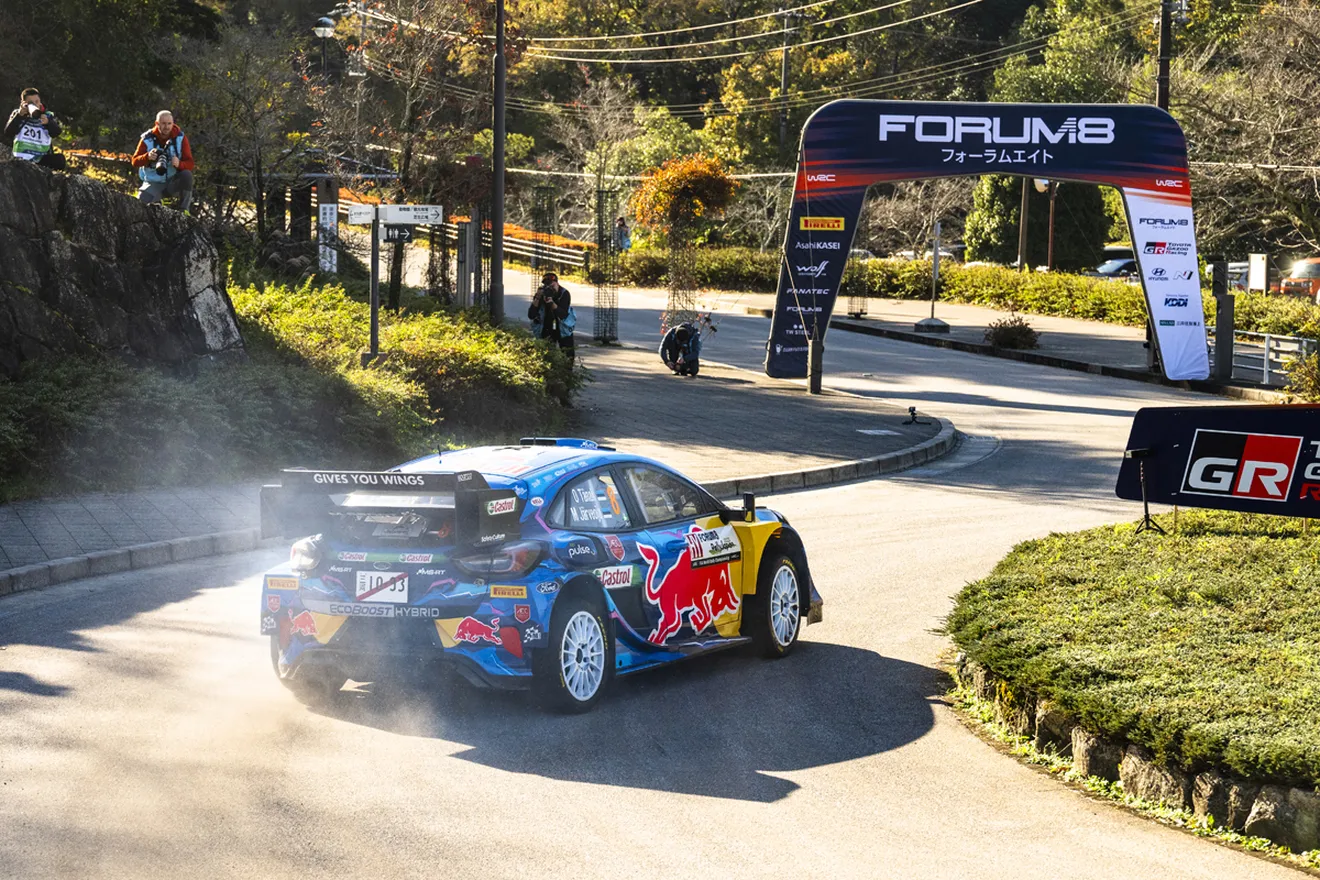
[515,559]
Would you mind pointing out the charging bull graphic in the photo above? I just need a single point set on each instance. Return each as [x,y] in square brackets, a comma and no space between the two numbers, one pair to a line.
[702,594]
[473,631]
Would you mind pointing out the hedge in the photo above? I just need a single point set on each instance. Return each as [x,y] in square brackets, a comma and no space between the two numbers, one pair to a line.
[1203,646]
[1059,294]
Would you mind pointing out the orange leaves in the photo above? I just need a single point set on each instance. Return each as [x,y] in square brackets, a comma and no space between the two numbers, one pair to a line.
[683,190]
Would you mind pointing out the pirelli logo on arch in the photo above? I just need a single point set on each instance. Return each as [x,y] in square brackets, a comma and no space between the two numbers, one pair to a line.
[1230,463]
[821,224]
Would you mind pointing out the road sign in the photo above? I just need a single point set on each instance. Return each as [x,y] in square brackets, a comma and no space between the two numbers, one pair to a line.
[361,213]
[412,214]
[398,232]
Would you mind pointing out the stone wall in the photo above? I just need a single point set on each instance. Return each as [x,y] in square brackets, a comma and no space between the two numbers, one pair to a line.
[1283,814]
[84,269]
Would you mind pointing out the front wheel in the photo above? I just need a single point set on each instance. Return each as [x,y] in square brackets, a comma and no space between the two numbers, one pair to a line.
[773,614]
[573,672]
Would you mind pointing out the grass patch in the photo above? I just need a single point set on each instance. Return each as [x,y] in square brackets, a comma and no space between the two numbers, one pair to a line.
[301,398]
[1203,646]
[980,716]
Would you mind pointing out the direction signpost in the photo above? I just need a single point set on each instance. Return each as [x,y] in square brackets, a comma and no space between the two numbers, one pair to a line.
[398,222]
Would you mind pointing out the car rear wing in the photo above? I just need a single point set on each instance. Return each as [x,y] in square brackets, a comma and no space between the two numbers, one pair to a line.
[306,502]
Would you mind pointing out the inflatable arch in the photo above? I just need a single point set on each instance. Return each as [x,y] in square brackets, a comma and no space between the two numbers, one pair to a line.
[849,145]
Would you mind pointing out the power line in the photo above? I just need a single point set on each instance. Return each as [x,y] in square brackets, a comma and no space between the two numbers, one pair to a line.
[743,37]
[725,55]
[683,30]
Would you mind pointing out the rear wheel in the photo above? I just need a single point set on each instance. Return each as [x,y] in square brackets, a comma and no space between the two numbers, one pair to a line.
[773,614]
[573,672]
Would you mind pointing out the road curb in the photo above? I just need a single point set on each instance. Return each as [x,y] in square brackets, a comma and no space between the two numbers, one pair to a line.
[823,475]
[1238,392]
[142,556]
[138,556]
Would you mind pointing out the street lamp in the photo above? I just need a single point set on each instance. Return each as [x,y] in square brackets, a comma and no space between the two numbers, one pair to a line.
[325,29]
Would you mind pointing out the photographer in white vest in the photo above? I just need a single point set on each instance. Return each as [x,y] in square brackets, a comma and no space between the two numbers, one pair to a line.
[31,131]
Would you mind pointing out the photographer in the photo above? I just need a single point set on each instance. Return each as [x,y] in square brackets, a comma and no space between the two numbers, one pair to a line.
[681,349]
[552,315]
[30,131]
[164,161]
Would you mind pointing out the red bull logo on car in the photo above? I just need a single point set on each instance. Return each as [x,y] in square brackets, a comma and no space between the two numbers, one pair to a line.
[699,594]
[474,632]
[304,624]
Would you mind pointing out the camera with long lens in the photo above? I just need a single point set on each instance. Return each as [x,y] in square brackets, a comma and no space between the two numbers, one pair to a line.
[162,165]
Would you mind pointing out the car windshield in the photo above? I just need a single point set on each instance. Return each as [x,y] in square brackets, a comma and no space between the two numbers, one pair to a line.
[1113,267]
[1306,269]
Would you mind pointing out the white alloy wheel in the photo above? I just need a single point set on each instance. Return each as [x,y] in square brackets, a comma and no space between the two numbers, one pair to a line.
[582,656]
[785,605]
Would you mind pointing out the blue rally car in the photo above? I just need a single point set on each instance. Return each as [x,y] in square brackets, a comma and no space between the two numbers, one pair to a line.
[555,565]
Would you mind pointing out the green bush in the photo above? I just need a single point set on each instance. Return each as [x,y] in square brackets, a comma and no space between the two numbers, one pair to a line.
[301,398]
[1203,646]
[1012,332]
[726,268]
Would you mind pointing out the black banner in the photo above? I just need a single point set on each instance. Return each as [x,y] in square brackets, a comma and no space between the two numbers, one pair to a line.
[1255,459]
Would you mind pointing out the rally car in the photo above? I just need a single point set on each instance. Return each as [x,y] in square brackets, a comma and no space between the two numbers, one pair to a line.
[555,564]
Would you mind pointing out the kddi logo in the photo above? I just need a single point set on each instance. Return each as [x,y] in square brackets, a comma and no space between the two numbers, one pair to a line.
[993,130]
[1229,463]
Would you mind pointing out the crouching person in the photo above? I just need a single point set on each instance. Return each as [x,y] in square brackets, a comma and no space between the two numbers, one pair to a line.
[164,162]
[681,349]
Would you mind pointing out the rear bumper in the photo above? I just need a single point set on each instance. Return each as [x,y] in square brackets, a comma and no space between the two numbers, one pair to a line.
[365,666]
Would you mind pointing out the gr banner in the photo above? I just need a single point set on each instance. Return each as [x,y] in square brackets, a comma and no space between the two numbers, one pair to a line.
[849,145]
[1256,459]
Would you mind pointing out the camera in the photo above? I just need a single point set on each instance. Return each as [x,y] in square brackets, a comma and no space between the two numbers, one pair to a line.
[162,164]
[33,110]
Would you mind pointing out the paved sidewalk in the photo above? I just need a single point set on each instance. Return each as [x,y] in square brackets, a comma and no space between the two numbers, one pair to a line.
[724,425]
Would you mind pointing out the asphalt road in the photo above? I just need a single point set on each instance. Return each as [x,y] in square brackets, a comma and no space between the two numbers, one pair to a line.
[142,733]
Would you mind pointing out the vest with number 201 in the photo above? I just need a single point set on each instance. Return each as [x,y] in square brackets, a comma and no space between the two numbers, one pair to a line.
[32,141]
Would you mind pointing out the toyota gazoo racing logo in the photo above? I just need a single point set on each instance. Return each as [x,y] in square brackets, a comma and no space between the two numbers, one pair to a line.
[994,130]
[1238,465]
[1176,248]
[814,271]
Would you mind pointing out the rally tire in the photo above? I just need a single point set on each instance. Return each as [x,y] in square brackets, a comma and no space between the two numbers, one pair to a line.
[310,686]
[772,616]
[573,672]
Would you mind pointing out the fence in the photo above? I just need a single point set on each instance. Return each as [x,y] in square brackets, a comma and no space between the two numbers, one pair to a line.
[1264,357]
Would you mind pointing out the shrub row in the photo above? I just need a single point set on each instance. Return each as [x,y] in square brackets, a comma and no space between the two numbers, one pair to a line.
[301,398]
[1060,294]
[1201,646]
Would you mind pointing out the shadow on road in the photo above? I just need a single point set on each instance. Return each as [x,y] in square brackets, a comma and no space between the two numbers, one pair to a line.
[721,726]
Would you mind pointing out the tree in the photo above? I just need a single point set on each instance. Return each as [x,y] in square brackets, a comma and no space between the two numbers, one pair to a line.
[991,231]
[404,116]
[242,103]
[673,200]
[900,217]
[760,214]
[593,136]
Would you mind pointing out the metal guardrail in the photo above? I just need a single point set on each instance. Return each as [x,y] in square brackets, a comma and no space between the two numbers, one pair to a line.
[540,253]
[1264,357]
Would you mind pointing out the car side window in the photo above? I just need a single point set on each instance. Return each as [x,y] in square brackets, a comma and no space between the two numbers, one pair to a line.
[592,503]
[664,497]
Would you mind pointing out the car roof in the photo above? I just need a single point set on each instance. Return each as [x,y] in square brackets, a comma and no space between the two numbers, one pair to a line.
[521,463]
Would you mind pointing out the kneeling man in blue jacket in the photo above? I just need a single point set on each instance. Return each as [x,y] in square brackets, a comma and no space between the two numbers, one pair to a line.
[681,349]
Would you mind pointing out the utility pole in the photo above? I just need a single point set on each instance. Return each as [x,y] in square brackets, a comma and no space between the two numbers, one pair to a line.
[1166,53]
[1161,101]
[497,184]
[783,81]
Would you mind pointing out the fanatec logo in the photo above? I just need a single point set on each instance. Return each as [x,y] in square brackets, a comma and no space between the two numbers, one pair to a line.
[992,130]
[814,271]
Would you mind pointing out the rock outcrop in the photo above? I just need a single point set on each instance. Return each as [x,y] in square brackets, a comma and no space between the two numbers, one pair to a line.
[84,269]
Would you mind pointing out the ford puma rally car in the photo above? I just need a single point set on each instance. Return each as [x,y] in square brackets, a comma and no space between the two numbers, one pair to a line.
[556,565]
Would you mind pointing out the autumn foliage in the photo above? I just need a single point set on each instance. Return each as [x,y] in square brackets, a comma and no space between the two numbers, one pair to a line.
[682,191]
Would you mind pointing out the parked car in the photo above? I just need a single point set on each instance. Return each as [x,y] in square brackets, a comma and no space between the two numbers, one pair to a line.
[860,254]
[1303,279]
[554,565]
[1123,267]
